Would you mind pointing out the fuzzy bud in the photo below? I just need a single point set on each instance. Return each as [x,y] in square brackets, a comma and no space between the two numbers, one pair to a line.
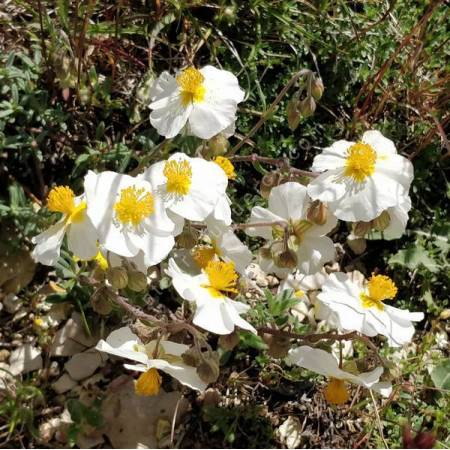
[293,114]
[317,212]
[307,107]
[191,357]
[265,253]
[218,145]
[382,221]
[360,229]
[208,370]
[229,341]
[137,281]
[267,183]
[278,345]
[100,301]
[286,259]
[118,277]
[317,88]
[187,239]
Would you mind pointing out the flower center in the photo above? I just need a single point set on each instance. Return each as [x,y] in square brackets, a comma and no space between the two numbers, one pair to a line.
[62,199]
[148,383]
[222,278]
[203,254]
[134,205]
[192,90]
[299,293]
[360,162]
[226,165]
[336,392]
[379,288]
[101,261]
[179,177]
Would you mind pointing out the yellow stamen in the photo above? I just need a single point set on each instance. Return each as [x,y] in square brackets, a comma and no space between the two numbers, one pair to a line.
[192,90]
[360,162]
[226,165]
[379,288]
[179,176]
[101,261]
[222,278]
[336,392]
[62,199]
[148,383]
[299,293]
[202,255]
[134,205]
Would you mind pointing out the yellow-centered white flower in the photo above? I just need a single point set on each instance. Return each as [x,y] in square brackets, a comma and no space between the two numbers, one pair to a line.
[361,179]
[189,187]
[129,216]
[210,291]
[151,357]
[362,308]
[81,234]
[288,204]
[324,363]
[204,101]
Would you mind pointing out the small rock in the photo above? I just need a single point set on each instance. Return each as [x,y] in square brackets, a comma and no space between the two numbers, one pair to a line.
[25,359]
[63,384]
[6,378]
[83,365]
[290,432]
[273,281]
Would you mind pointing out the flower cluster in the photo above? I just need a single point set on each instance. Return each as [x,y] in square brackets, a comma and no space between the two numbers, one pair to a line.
[176,212]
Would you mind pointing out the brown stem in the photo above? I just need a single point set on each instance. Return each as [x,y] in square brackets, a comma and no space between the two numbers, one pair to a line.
[271,109]
[41,26]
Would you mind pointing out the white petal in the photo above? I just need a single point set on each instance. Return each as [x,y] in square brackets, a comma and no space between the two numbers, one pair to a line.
[82,239]
[327,187]
[234,309]
[288,201]
[398,168]
[213,316]
[383,387]
[332,157]
[169,116]
[222,84]
[382,145]
[163,87]
[399,219]
[313,253]
[48,244]
[155,248]
[259,215]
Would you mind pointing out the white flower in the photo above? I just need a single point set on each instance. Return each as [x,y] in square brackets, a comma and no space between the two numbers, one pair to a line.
[151,358]
[206,100]
[190,187]
[361,179]
[324,363]
[215,311]
[301,282]
[398,219]
[81,234]
[129,216]
[288,204]
[362,309]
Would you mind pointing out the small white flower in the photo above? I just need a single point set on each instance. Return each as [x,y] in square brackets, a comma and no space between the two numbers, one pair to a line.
[288,204]
[324,363]
[129,216]
[361,308]
[361,179]
[205,100]
[189,187]
[399,219]
[215,311]
[81,234]
[304,283]
[151,357]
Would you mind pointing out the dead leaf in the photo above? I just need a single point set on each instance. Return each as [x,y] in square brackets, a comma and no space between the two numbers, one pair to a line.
[16,269]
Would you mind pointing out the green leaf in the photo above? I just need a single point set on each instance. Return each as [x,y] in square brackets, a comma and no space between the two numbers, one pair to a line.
[414,256]
[441,375]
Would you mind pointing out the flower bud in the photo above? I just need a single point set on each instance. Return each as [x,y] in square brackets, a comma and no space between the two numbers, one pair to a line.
[137,281]
[208,370]
[317,88]
[317,212]
[360,229]
[382,221]
[293,114]
[191,357]
[100,301]
[278,345]
[218,145]
[267,183]
[307,107]
[286,259]
[118,277]
[229,341]
[265,253]
[187,239]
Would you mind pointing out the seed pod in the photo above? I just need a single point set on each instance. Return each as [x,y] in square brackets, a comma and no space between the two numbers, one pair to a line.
[218,145]
[317,88]
[100,301]
[137,281]
[317,212]
[307,107]
[191,357]
[286,259]
[360,229]
[118,277]
[382,221]
[293,113]
[187,239]
[208,370]
[229,341]
[268,182]
[278,345]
